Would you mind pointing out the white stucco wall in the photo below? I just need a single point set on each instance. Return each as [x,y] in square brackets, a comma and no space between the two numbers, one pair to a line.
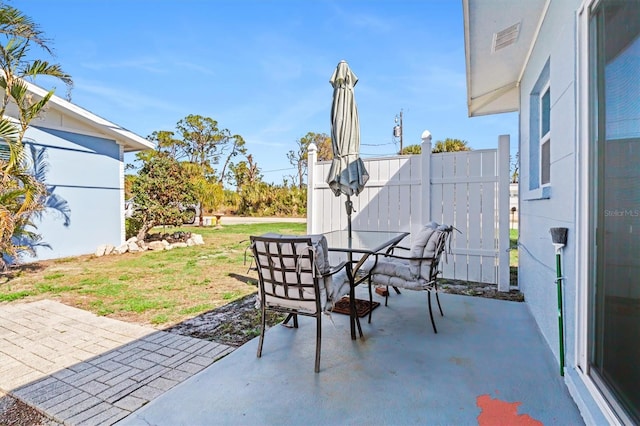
[557,206]
[559,59]
[86,172]
[540,212]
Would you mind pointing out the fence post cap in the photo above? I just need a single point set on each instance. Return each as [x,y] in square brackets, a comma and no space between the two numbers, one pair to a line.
[426,136]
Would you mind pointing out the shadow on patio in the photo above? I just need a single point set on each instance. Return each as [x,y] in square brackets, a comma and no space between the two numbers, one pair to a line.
[487,365]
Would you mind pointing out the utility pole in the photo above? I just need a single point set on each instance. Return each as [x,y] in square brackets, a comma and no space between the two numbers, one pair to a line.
[397,129]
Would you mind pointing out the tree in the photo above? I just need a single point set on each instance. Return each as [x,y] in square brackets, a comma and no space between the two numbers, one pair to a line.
[209,149]
[128,185]
[165,141]
[208,191]
[205,144]
[515,169]
[298,158]
[161,191]
[450,145]
[21,193]
[411,150]
[244,173]
[322,142]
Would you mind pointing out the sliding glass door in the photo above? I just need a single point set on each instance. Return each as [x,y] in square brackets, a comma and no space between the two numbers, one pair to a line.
[615,118]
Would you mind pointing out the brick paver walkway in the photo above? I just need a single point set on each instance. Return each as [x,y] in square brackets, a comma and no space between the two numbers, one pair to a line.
[79,368]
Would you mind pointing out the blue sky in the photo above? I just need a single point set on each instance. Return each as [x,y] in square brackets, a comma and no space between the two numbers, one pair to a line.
[261,68]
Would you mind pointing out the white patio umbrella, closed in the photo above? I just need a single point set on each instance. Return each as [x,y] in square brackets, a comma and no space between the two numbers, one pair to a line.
[347,174]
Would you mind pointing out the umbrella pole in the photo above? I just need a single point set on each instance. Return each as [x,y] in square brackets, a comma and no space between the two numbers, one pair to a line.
[349,206]
[352,294]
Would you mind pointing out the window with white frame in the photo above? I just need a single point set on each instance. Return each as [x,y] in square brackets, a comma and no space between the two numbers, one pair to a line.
[540,133]
[545,137]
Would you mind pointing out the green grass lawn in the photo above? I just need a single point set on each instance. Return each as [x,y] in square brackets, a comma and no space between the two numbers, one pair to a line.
[153,287]
[513,256]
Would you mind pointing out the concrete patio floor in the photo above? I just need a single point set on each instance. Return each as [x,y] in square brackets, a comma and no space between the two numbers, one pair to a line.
[488,364]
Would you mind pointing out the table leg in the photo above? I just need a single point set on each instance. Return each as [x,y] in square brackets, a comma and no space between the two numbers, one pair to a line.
[352,302]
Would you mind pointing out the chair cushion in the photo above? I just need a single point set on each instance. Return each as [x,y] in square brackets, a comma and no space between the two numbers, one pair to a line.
[397,273]
[320,246]
[338,285]
[321,257]
[412,273]
[424,245]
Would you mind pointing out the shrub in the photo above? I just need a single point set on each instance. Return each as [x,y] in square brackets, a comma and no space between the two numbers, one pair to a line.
[132,226]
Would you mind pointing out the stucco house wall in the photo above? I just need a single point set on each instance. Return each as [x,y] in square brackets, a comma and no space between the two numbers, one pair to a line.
[552,62]
[551,49]
[85,156]
[555,53]
[85,171]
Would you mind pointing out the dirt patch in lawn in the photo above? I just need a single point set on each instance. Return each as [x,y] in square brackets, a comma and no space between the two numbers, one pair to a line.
[468,288]
[233,324]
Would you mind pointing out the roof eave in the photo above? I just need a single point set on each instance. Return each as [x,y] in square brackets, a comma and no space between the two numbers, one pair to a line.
[130,141]
[506,96]
[500,100]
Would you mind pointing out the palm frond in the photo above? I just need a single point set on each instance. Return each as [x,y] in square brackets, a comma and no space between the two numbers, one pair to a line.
[8,131]
[32,111]
[11,196]
[14,23]
[39,67]
[58,205]
[27,242]
[39,164]
[11,54]
[23,192]
[46,198]
[18,91]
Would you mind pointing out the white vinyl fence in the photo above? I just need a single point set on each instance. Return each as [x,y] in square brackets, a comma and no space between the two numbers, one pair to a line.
[469,190]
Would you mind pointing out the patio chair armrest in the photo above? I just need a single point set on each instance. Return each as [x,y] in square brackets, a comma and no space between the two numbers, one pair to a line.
[393,248]
[335,269]
[395,256]
[252,264]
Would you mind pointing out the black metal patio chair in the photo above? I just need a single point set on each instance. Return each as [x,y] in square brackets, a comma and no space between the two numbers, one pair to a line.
[294,277]
[418,270]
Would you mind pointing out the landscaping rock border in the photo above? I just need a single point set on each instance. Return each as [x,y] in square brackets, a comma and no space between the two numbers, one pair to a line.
[157,242]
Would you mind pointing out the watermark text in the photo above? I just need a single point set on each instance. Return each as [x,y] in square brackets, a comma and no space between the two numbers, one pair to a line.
[622,213]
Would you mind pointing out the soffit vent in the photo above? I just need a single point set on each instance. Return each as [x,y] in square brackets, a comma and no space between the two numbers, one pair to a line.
[506,37]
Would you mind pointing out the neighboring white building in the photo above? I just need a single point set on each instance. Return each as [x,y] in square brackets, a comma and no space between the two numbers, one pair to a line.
[571,68]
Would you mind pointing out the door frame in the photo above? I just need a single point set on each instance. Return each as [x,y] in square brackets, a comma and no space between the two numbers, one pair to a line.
[586,199]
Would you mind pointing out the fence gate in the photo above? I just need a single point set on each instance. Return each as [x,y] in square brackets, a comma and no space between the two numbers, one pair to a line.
[469,190]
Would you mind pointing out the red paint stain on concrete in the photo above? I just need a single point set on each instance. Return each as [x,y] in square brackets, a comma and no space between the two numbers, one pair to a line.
[495,412]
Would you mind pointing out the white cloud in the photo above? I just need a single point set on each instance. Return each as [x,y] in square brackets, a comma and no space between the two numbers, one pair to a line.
[147,64]
[364,21]
[122,98]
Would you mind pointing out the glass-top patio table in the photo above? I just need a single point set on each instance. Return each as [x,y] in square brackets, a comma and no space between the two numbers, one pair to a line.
[363,244]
